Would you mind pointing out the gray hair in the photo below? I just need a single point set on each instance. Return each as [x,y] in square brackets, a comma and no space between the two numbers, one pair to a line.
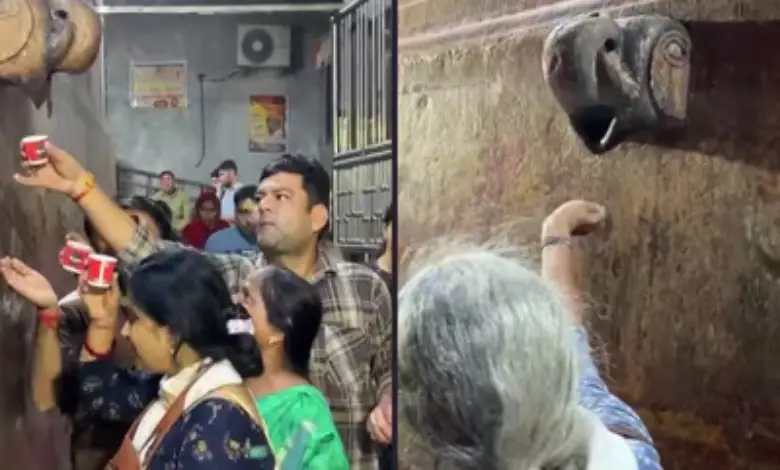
[487,365]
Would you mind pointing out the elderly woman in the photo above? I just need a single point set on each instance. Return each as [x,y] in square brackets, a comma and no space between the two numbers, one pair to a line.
[495,370]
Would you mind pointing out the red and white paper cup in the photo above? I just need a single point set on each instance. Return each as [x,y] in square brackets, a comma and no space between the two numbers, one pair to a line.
[100,270]
[34,150]
[73,256]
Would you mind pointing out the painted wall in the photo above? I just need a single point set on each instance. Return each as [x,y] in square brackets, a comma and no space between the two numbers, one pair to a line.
[155,140]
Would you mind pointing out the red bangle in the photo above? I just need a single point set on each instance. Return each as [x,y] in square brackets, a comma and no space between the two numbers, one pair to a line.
[99,355]
[49,317]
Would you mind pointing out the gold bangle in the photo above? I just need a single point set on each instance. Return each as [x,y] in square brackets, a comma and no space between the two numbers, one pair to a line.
[89,185]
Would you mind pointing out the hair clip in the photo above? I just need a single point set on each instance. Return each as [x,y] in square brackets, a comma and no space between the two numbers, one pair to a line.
[237,326]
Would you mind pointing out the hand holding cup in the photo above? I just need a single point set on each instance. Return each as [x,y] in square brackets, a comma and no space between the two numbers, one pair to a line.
[61,173]
[102,302]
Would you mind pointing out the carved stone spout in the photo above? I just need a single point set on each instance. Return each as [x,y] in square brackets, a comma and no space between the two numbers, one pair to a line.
[616,78]
[41,37]
[87,31]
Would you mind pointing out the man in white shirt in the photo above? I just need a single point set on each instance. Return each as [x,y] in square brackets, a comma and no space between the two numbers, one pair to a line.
[228,180]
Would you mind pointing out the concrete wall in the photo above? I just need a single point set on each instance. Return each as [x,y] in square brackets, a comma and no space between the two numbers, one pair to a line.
[155,140]
[685,283]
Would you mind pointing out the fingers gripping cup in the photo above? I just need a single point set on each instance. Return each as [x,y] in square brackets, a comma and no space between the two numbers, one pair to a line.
[73,256]
[100,270]
[33,150]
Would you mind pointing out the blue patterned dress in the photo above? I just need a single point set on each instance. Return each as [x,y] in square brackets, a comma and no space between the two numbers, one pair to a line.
[213,434]
[613,412]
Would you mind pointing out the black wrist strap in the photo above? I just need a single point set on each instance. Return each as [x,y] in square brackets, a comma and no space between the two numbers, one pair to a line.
[556,241]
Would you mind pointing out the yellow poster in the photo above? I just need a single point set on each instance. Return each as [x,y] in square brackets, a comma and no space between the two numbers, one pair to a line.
[267,124]
[158,85]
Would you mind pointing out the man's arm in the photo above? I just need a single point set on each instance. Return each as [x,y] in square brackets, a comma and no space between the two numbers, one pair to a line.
[112,223]
[382,337]
[133,243]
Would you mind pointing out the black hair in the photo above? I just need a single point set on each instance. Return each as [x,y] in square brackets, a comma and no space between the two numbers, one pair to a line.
[167,172]
[183,291]
[215,173]
[165,208]
[388,218]
[244,193]
[316,181]
[160,214]
[228,165]
[294,307]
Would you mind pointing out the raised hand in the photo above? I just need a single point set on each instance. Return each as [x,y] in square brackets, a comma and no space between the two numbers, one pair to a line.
[28,283]
[61,174]
[575,217]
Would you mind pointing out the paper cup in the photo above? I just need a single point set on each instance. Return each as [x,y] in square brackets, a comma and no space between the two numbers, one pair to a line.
[73,256]
[100,270]
[33,150]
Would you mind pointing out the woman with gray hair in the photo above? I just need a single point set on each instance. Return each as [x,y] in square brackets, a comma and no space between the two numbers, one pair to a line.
[494,365]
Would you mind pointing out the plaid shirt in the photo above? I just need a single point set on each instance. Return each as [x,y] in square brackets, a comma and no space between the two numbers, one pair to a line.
[351,357]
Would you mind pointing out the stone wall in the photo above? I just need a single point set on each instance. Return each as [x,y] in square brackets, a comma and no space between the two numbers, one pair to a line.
[33,225]
[684,283]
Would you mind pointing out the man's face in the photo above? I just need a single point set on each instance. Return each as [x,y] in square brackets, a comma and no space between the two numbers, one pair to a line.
[286,222]
[247,217]
[226,177]
[166,182]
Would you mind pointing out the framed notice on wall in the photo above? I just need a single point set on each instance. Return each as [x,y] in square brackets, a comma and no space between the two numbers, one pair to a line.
[267,124]
[160,85]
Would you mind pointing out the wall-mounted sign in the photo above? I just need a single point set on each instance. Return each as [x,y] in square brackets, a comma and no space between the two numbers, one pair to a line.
[267,124]
[158,84]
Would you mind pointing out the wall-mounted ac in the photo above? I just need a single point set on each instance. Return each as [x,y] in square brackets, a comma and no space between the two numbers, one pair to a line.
[264,46]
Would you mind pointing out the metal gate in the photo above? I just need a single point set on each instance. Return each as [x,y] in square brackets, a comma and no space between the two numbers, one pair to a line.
[363,37]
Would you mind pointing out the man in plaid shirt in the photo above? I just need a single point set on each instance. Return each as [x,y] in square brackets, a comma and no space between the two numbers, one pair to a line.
[352,357]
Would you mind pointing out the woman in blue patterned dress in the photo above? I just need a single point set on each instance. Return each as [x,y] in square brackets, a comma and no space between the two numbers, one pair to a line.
[190,406]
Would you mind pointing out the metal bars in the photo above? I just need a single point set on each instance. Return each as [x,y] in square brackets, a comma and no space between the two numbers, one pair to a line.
[361,194]
[362,116]
[362,68]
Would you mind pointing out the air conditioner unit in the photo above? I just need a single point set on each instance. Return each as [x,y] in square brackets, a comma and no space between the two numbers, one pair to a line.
[264,46]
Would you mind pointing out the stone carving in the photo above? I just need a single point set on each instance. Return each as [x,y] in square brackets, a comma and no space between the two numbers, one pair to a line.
[41,37]
[617,77]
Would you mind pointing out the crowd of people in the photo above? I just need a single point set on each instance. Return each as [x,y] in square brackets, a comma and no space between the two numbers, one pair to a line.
[239,338]
[220,211]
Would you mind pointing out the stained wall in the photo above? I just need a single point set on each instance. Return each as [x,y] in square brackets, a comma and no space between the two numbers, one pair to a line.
[684,282]
[33,225]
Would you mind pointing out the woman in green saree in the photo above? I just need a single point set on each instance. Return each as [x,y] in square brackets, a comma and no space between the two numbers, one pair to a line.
[286,314]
